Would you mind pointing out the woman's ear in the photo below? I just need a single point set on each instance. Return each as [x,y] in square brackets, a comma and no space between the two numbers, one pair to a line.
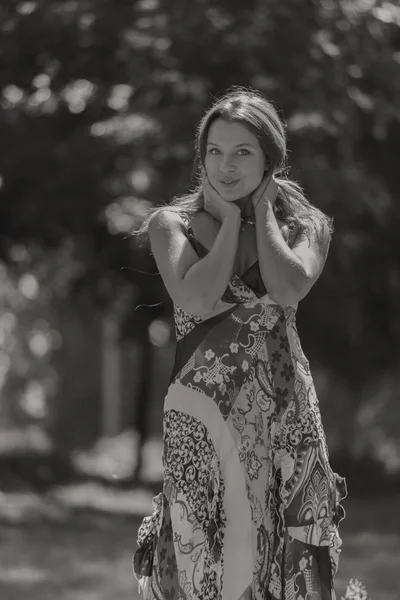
[267,164]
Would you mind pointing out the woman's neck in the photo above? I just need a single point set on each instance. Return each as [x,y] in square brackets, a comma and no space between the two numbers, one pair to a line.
[246,206]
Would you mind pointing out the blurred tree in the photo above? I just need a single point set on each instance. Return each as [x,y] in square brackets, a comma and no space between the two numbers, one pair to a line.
[99,105]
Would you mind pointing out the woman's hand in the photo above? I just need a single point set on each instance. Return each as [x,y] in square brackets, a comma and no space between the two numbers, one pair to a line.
[267,191]
[216,206]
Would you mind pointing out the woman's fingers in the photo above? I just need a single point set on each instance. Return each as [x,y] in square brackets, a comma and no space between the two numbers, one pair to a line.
[272,190]
[261,189]
[267,189]
[210,188]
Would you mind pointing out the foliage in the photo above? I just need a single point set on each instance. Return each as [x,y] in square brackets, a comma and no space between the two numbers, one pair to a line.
[100,99]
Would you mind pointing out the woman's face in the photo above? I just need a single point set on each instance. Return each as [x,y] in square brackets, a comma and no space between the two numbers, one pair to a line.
[234,161]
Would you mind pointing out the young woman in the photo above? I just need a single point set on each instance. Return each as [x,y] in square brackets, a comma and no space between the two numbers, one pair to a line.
[250,506]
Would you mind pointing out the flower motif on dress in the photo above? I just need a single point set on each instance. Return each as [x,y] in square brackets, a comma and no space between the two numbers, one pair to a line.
[253,465]
[168,531]
[276,356]
[295,437]
[244,447]
[209,354]
[284,345]
[171,566]
[238,420]
[287,372]
[245,365]
[274,333]
[185,584]
[256,508]
[281,397]
[184,322]
[222,388]
[259,428]
[198,377]
[303,563]
[254,325]
[234,347]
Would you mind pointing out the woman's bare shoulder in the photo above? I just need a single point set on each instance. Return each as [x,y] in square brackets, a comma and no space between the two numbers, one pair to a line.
[164,220]
[204,227]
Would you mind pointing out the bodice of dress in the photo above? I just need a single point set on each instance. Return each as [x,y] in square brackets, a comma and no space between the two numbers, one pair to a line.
[252,276]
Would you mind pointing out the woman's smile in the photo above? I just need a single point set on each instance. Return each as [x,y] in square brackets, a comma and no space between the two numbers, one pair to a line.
[229,183]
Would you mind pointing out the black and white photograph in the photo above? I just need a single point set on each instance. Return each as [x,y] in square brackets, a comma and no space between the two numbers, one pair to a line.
[199,300]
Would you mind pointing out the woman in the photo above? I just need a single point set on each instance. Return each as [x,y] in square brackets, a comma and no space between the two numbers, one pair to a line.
[250,506]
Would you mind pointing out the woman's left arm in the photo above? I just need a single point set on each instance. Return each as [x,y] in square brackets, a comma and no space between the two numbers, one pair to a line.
[287,273]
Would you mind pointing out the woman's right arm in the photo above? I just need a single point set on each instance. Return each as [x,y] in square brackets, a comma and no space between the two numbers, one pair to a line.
[196,285]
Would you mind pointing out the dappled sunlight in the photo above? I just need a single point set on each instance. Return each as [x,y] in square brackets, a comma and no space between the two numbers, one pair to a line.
[125,214]
[88,554]
[119,97]
[126,129]
[115,458]
[29,286]
[22,575]
[33,400]
[28,439]
[77,94]
[96,497]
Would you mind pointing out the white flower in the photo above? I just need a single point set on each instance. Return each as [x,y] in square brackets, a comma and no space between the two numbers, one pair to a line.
[198,377]
[245,365]
[222,388]
[254,326]
[209,354]
[303,563]
[234,348]
[219,378]
[355,591]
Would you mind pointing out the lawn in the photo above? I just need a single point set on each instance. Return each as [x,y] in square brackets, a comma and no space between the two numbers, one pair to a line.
[77,544]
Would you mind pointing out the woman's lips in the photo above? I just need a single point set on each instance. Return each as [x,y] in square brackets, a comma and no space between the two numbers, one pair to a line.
[229,182]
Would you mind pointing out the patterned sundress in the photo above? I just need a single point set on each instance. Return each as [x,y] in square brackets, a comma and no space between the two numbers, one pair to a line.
[250,506]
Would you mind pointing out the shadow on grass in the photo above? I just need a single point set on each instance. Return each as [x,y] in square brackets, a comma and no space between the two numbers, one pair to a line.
[75,539]
[77,542]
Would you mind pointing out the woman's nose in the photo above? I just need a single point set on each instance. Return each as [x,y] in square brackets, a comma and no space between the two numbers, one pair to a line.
[226,165]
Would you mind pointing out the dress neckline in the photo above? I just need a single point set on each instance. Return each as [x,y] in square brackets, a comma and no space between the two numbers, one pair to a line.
[242,278]
[252,266]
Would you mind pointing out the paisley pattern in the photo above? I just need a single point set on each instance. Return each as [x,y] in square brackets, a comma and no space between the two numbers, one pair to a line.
[250,505]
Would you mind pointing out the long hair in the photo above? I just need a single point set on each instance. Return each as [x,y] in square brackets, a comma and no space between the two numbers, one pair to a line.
[253,110]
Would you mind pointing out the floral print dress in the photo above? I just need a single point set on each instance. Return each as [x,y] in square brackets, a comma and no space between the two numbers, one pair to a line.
[250,506]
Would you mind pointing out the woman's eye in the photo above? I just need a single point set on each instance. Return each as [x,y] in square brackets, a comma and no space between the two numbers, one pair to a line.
[242,152]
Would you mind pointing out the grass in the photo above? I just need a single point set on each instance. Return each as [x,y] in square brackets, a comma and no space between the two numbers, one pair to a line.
[77,544]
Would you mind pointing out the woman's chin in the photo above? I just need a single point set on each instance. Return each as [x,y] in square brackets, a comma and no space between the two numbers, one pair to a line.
[233,196]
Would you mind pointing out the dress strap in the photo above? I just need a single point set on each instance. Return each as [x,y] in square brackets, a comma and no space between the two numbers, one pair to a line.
[198,247]
[187,223]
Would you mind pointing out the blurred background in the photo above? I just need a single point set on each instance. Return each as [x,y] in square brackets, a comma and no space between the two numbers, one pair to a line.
[99,100]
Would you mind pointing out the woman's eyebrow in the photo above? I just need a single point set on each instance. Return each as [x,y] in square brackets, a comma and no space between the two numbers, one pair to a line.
[237,145]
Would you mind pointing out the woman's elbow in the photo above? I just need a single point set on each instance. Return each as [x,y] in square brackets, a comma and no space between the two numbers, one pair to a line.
[287,295]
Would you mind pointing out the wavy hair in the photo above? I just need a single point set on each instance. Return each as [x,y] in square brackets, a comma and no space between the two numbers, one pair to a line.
[253,110]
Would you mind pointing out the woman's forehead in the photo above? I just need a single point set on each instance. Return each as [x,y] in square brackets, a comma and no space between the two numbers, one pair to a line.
[223,132]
